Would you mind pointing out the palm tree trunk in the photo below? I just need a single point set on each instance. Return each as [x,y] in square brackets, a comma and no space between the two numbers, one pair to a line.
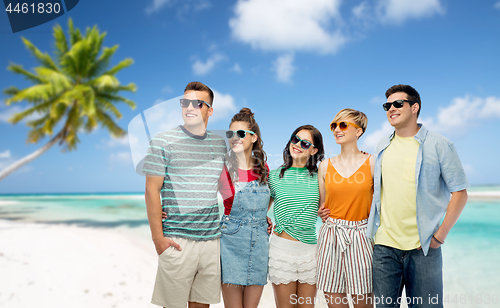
[23,161]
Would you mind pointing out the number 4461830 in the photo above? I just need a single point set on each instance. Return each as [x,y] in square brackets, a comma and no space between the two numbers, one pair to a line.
[41,8]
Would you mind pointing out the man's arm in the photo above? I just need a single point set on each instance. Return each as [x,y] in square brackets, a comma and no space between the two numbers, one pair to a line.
[154,210]
[455,207]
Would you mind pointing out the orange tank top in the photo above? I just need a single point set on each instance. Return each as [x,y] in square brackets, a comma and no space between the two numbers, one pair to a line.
[349,198]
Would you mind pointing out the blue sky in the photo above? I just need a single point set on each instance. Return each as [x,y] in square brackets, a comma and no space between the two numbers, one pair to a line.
[292,62]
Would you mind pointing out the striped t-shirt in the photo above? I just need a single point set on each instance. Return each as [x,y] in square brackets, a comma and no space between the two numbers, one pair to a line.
[296,198]
[191,166]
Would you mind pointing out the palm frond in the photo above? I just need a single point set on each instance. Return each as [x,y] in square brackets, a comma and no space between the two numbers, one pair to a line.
[43,58]
[105,83]
[10,91]
[35,135]
[77,87]
[38,122]
[102,62]
[61,42]
[35,94]
[58,80]
[105,105]
[74,35]
[123,64]
[116,98]
[107,122]
[18,69]
[42,108]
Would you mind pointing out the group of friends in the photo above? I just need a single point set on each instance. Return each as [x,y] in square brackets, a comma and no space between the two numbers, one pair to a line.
[382,214]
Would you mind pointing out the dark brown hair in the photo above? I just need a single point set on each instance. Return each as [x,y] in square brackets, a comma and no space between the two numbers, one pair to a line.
[259,157]
[312,162]
[198,86]
[409,90]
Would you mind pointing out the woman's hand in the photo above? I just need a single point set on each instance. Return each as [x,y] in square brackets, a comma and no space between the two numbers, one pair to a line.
[323,212]
[269,225]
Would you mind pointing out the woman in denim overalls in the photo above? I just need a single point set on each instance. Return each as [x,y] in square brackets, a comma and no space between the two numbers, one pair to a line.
[244,244]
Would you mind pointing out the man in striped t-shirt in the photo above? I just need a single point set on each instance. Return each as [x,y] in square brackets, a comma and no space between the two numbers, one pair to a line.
[182,168]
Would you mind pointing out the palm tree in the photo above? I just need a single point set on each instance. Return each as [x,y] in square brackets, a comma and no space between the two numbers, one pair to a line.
[76,92]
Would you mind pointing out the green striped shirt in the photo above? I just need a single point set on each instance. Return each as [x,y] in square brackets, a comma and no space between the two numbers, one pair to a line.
[296,198]
[191,166]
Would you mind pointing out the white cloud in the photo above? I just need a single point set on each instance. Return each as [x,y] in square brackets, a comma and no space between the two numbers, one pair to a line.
[115,142]
[7,113]
[398,11]
[283,66]
[121,157]
[202,68]
[371,140]
[167,89]
[297,25]
[462,114]
[223,106]
[465,110]
[6,160]
[497,5]
[361,10]
[156,5]
[236,68]
[5,154]
[185,5]
[378,100]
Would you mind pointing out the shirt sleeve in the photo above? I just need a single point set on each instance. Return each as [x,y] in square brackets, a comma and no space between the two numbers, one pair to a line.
[452,170]
[226,190]
[157,158]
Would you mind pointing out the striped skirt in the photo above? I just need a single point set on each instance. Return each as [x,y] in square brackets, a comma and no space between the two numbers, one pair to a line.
[344,257]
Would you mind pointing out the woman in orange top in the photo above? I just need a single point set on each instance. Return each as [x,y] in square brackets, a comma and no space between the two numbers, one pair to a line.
[346,191]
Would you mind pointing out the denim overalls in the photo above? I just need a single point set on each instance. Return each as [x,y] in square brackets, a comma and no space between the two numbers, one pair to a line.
[244,244]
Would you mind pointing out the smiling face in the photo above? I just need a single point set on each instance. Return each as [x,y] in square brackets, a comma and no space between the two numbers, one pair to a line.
[244,145]
[299,155]
[351,134]
[195,118]
[402,117]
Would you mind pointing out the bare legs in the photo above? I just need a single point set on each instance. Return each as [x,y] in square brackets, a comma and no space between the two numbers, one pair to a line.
[241,296]
[294,294]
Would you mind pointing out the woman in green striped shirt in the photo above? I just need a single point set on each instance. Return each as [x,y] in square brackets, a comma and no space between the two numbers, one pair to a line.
[294,188]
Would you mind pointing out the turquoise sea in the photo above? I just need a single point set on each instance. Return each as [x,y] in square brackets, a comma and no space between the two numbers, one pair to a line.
[471,253]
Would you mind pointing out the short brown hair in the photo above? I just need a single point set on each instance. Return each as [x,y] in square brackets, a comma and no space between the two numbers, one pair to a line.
[358,117]
[198,86]
[410,92]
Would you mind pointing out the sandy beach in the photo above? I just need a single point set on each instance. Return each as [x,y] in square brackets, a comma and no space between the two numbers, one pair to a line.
[61,264]
[46,265]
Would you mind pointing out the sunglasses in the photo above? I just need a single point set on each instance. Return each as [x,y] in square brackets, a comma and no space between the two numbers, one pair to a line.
[239,133]
[342,125]
[197,103]
[397,104]
[303,143]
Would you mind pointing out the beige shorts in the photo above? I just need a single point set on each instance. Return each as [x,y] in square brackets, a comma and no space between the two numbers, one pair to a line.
[189,275]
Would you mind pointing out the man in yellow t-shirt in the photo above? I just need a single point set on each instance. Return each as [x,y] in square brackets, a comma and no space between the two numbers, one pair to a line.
[415,172]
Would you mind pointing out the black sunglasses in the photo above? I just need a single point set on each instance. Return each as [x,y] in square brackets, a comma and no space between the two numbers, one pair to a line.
[397,104]
[303,143]
[197,103]
[239,133]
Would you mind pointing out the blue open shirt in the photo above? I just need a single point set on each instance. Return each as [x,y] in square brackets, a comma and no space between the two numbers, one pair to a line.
[438,171]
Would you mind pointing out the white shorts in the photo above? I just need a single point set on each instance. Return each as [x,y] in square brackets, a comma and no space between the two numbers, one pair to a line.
[291,261]
[345,259]
[189,275]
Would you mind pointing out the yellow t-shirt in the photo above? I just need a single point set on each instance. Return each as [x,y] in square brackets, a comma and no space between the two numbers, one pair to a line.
[398,217]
